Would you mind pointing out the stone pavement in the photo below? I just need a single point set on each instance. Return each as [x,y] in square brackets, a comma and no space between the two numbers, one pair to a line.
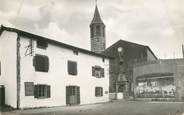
[110,108]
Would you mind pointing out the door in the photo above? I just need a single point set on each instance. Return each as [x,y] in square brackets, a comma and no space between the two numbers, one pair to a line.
[2,96]
[72,95]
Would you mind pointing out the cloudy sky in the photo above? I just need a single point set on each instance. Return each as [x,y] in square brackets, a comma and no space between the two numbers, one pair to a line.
[156,23]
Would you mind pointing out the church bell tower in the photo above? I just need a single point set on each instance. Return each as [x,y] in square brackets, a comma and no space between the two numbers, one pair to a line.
[97,33]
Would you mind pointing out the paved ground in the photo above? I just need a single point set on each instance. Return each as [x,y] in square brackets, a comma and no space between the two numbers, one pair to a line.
[113,108]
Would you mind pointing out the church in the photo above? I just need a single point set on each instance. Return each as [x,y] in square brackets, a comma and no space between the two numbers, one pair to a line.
[121,66]
[36,71]
[135,72]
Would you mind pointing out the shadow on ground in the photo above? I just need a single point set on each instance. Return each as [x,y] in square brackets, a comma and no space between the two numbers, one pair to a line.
[111,108]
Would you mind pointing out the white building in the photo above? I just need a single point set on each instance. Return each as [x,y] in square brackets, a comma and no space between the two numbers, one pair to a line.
[40,72]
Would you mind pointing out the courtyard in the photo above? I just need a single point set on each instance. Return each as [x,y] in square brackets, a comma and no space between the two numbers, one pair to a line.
[119,107]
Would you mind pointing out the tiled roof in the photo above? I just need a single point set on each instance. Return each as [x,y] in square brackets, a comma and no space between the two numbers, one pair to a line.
[97,19]
[123,42]
[34,36]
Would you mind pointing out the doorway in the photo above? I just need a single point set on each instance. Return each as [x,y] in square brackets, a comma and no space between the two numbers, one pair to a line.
[72,95]
[2,96]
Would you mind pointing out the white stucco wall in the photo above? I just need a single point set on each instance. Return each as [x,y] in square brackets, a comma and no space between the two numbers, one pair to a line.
[58,77]
[8,47]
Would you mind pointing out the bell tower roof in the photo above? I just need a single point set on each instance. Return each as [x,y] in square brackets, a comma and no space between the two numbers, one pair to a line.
[97,33]
[96,19]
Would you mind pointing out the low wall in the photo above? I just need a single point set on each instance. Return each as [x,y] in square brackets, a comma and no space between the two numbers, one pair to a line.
[114,96]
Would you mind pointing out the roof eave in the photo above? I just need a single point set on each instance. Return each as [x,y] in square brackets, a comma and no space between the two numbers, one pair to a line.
[34,36]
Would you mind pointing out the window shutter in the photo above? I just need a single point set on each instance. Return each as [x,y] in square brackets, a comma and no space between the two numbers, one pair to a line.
[78,95]
[67,95]
[42,44]
[29,88]
[46,64]
[69,67]
[96,91]
[75,68]
[48,91]
[41,63]
[72,68]
[36,91]
[93,71]
[102,72]
[101,91]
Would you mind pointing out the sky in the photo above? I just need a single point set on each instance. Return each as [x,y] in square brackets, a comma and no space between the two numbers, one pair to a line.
[156,23]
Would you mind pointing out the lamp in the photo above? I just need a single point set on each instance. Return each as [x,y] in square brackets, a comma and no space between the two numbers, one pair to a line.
[120,49]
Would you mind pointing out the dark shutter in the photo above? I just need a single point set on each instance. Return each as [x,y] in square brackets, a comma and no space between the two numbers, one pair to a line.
[93,71]
[96,91]
[46,64]
[48,91]
[36,91]
[78,95]
[101,91]
[75,68]
[67,95]
[102,72]
[42,44]
[69,67]
[29,88]
[72,68]
[41,63]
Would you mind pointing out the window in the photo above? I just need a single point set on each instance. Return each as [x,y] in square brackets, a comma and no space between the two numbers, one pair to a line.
[98,30]
[103,59]
[29,88]
[41,91]
[98,91]
[75,52]
[97,71]
[72,68]
[92,32]
[103,31]
[41,63]
[42,44]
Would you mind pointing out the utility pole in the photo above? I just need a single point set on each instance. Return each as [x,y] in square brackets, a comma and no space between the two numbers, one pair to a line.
[121,79]
[183,50]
